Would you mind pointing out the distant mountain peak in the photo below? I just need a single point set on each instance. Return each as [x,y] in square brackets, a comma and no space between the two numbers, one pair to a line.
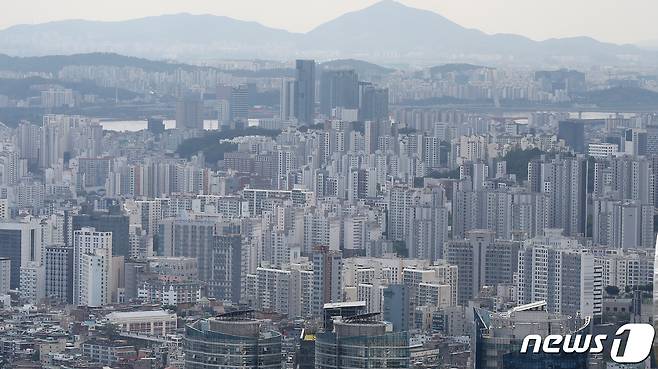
[386,31]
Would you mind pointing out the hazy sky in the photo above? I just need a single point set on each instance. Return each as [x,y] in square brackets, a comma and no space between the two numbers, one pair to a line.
[618,21]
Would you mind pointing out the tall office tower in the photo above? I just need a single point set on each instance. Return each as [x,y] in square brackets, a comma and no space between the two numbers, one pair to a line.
[572,131]
[327,277]
[635,141]
[498,337]
[239,103]
[373,102]
[287,100]
[370,345]
[555,270]
[232,340]
[304,98]
[189,113]
[92,267]
[58,260]
[338,89]
[622,224]
[155,125]
[652,140]
[564,181]
[20,241]
[117,224]
[482,261]
[428,228]
[397,309]
[5,275]
[29,141]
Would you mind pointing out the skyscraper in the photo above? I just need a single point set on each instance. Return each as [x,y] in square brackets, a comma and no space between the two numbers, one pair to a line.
[239,103]
[155,125]
[338,88]
[573,133]
[189,113]
[287,99]
[305,91]
[21,243]
[373,102]
[58,260]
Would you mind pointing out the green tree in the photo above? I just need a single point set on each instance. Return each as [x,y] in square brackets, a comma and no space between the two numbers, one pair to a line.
[517,161]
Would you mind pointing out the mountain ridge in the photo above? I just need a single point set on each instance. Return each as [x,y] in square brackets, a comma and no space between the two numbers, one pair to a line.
[386,30]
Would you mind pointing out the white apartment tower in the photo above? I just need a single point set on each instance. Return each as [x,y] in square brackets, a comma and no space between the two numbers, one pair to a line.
[92,267]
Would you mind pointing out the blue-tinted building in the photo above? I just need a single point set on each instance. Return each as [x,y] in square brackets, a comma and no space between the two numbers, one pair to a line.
[498,337]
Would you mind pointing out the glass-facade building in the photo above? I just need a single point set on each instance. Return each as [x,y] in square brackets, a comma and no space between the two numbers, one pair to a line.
[231,342]
[361,344]
[499,336]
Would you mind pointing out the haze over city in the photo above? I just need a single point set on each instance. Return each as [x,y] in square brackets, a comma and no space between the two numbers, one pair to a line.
[605,20]
[335,184]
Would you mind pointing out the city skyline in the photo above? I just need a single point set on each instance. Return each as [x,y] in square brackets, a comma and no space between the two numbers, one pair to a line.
[394,189]
[536,20]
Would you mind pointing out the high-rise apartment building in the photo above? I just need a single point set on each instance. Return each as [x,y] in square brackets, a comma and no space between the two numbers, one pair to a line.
[92,267]
[482,260]
[554,269]
[327,277]
[5,275]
